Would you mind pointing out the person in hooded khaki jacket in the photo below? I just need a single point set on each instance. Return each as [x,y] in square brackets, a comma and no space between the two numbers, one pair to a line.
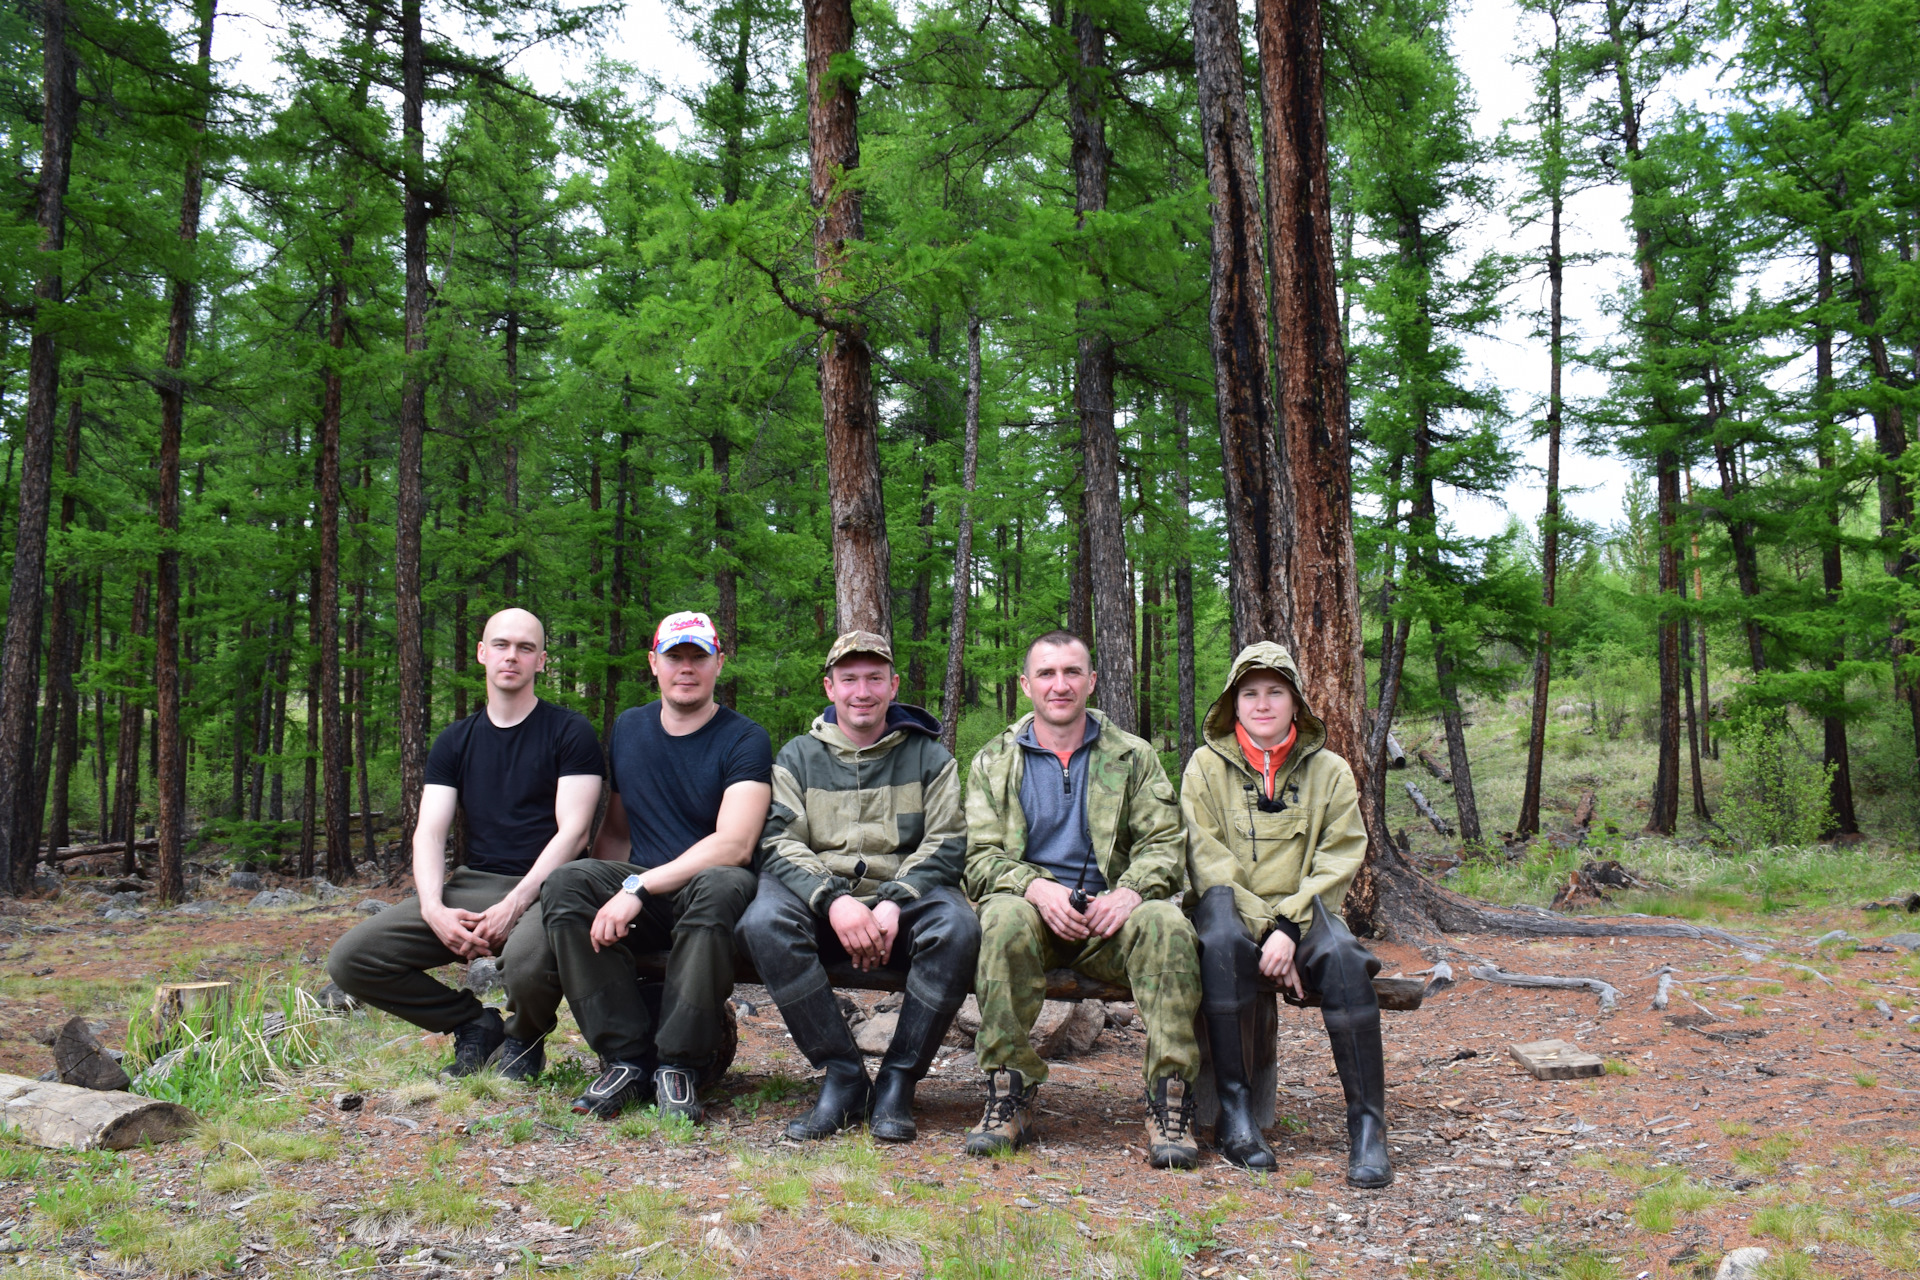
[1274,839]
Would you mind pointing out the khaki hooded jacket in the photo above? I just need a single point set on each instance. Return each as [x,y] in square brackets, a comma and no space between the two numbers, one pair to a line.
[1277,862]
[1131,816]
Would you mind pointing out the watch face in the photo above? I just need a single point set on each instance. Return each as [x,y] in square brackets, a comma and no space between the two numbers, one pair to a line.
[630,885]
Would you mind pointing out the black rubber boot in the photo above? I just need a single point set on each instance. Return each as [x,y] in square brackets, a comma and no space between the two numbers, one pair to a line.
[820,1031]
[916,1038]
[1235,1135]
[842,1104]
[1355,1037]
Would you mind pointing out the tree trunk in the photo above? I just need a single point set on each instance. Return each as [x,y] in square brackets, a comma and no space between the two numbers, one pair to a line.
[410,496]
[20,649]
[1311,367]
[59,727]
[1454,723]
[1258,490]
[862,599]
[310,761]
[962,551]
[1183,590]
[1529,823]
[133,723]
[726,588]
[1834,754]
[1693,725]
[616,598]
[170,774]
[1664,815]
[1094,370]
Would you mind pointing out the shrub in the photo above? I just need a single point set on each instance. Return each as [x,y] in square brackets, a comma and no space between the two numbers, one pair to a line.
[1774,794]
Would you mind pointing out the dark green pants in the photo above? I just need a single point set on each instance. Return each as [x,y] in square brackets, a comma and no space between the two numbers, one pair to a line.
[383,961]
[695,927]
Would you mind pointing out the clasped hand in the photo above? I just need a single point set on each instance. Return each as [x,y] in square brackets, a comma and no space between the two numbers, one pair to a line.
[472,934]
[1276,961]
[867,933]
[1103,917]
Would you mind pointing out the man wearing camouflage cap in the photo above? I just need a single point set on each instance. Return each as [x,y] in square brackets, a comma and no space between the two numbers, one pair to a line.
[861,861]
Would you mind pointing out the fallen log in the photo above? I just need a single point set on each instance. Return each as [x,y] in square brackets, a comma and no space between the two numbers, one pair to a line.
[1396,754]
[1608,993]
[1427,812]
[48,1114]
[67,853]
[1433,766]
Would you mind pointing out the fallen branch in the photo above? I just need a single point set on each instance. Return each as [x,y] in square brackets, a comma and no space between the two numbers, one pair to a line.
[1660,996]
[67,853]
[1608,993]
[1433,767]
[1426,811]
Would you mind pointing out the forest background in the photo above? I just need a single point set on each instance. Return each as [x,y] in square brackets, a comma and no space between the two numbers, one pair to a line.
[302,376]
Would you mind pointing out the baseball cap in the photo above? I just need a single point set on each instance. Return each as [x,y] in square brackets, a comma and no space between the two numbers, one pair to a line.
[686,628]
[853,642]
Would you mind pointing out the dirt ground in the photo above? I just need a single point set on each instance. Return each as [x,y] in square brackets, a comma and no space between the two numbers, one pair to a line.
[1771,1103]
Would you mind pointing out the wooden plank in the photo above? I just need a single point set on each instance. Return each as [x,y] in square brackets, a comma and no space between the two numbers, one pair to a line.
[1556,1060]
[48,1114]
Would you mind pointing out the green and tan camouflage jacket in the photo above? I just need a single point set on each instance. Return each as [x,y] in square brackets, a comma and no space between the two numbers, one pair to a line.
[877,822]
[1138,842]
[1277,862]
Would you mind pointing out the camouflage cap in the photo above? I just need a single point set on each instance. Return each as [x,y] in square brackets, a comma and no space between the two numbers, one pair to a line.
[853,642]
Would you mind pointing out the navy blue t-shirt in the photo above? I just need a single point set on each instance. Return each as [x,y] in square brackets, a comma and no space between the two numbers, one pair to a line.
[671,787]
[508,778]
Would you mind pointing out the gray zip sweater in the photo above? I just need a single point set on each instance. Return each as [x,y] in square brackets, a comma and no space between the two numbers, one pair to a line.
[1053,798]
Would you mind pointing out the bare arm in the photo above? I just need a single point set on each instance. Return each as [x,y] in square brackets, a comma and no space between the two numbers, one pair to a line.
[574,801]
[455,929]
[743,812]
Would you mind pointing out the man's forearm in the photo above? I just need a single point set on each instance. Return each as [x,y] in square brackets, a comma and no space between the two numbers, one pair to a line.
[703,855]
[429,871]
[562,849]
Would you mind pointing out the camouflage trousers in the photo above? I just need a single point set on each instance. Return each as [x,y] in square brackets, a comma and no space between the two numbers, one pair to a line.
[1155,953]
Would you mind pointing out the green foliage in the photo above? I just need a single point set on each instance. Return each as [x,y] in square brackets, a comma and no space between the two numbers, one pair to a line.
[208,1058]
[1774,795]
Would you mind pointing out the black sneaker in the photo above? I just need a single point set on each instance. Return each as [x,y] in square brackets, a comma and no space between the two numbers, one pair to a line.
[619,1086]
[677,1091]
[522,1061]
[474,1042]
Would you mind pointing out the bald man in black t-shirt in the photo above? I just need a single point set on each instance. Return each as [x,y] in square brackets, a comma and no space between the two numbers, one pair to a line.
[527,774]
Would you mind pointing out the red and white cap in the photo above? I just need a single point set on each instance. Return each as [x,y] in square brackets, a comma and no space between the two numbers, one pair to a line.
[686,628]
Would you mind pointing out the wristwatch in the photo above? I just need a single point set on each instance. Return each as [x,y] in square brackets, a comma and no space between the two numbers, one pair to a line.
[633,886]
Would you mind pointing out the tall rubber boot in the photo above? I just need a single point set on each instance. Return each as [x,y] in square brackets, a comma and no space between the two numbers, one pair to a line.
[1354,1035]
[820,1031]
[916,1038]
[1235,1135]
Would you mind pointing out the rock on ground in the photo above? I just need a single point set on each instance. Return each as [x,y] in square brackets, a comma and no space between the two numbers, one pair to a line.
[370,907]
[276,898]
[876,1033]
[1910,941]
[329,893]
[966,1025]
[1741,1264]
[246,880]
[332,997]
[483,975]
[82,1060]
[1067,1027]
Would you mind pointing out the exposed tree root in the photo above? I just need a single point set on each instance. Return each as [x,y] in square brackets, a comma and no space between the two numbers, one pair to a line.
[1391,900]
[1608,993]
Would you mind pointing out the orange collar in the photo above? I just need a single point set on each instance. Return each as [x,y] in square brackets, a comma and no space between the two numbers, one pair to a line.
[1266,763]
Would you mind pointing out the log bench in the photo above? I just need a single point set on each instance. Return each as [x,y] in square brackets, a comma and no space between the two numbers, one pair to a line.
[1259,1025]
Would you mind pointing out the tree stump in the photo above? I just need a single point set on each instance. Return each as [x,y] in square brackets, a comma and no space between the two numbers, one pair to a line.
[175,1000]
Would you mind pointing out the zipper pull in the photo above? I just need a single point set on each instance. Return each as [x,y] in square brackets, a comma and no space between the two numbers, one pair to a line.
[1066,779]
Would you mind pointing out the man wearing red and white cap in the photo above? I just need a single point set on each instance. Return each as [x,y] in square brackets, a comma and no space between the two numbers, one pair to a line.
[691,783]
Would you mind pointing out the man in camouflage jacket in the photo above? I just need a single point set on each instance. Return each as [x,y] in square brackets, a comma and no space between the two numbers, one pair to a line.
[860,860]
[1077,857]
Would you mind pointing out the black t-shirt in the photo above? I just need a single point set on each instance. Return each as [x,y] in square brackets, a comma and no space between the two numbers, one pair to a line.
[507,779]
[671,787]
